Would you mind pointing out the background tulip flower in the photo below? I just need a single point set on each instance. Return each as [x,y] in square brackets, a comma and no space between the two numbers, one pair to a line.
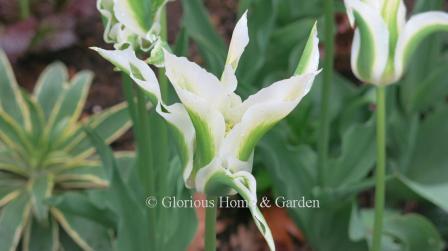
[131,23]
[384,41]
[217,131]
[382,45]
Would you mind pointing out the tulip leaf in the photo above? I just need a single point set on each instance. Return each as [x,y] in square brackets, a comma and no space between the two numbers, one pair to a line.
[425,171]
[210,44]
[132,228]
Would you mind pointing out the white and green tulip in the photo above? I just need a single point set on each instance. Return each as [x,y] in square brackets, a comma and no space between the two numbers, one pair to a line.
[132,23]
[384,40]
[217,130]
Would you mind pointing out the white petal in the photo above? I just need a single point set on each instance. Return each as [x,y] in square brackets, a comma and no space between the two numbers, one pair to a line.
[140,72]
[239,41]
[188,76]
[262,111]
[370,49]
[243,183]
[309,62]
[209,125]
[126,15]
[415,30]
[178,117]
[229,79]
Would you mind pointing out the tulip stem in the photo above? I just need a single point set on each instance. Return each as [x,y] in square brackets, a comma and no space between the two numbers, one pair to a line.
[324,125]
[24,6]
[380,184]
[210,225]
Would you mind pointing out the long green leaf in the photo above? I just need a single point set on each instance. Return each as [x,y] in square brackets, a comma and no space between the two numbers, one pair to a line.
[12,221]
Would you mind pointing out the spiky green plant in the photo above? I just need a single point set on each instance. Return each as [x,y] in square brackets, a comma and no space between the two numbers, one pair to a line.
[44,152]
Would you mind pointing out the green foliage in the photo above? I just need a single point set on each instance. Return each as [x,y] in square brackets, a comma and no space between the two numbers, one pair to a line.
[416,145]
[44,153]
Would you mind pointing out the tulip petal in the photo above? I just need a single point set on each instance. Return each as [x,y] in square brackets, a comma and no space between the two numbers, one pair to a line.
[134,14]
[309,62]
[394,14]
[243,183]
[370,49]
[178,117]
[176,114]
[239,41]
[262,111]
[140,72]
[415,30]
[190,77]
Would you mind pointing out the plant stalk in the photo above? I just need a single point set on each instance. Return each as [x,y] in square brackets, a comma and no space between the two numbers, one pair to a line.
[324,125]
[210,225]
[24,6]
[380,184]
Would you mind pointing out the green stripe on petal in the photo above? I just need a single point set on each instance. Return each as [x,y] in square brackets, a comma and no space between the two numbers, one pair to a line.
[244,183]
[185,135]
[309,62]
[415,30]
[370,49]
[138,70]
[134,14]
[262,111]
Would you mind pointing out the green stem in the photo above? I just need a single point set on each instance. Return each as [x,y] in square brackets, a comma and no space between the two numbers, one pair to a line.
[380,184]
[324,128]
[24,6]
[210,225]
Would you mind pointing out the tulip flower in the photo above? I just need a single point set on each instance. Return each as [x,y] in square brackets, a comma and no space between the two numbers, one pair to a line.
[217,130]
[382,45]
[384,41]
[131,23]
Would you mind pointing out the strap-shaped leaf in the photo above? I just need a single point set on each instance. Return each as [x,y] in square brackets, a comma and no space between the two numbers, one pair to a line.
[10,187]
[41,190]
[68,228]
[415,30]
[370,49]
[41,237]
[11,100]
[71,103]
[309,61]
[110,124]
[83,176]
[12,221]
[36,117]
[50,85]
[12,134]
[244,183]
[132,227]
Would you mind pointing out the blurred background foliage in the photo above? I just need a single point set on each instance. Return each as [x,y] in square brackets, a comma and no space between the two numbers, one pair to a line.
[286,159]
